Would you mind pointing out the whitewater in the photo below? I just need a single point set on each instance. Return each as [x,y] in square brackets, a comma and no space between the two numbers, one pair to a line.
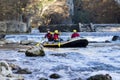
[69,63]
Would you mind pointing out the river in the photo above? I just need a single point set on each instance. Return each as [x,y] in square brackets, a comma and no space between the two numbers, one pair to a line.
[69,63]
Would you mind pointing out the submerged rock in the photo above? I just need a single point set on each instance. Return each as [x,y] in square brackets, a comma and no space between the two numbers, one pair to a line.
[26,42]
[77,79]
[14,67]
[2,36]
[100,77]
[59,54]
[115,38]
[23,71]
[42,78]
[35,51]
[54,76]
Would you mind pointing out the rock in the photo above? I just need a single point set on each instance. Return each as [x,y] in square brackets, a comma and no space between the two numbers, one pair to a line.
[115,38]
[35,51]
[16,27]
[3,27]
[9,42]
[26,42]
[23,71]
[107,41]
[5,69]
[54,76]
[13,27]
[60,54]
[100,77]
[2,42]
[14,67]
[18,69]
[6,72]
[2,36]
[77,79]
[22,50]
[42,78]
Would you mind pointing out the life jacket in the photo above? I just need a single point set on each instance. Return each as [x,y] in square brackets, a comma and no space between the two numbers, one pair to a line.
[49,36]
[56,36]
[75,35]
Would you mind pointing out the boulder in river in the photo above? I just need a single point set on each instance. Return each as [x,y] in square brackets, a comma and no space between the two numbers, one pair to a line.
[115,38]
[54,76]
[26,42]
[35,51]
[23,71]
[100,77]
[6,72]
[2,36]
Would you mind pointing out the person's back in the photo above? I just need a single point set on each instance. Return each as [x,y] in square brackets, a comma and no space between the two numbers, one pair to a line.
[75,34]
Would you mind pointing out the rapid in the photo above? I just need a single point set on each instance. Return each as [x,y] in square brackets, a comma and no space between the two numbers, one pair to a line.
[69,63]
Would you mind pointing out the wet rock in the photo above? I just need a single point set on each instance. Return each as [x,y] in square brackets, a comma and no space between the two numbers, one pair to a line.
[6,72]
[59,54]
[2,36]
[23,71]
[22,50]
[42,78]
[5,69]
[9,42]
[100,77]
[77,79]
[35,51]
[2,42]
[26,42]
[115,38]
[54,76]
[14,67]
[107,41]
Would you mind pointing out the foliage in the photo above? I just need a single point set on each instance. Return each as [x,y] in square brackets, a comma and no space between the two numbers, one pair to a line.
[81,16]
[103,11]
[47,12]
[96,11]
[13,9]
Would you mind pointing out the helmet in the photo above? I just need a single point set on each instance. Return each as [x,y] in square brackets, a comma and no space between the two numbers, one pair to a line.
[74,30]
[56,31]
[48,31]
[51,32]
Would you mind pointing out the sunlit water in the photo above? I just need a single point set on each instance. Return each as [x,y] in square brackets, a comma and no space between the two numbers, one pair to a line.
[70,63]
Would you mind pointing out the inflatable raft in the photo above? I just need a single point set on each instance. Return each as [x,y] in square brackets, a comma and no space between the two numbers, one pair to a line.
[76,42]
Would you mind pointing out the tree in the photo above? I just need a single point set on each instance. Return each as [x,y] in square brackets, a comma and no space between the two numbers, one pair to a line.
[103,11]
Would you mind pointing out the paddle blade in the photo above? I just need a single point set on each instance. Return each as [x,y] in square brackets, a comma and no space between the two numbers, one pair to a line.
[38,44]
[59,44]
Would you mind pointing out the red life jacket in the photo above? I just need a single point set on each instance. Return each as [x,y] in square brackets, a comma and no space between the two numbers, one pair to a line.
[49,36]
[56,36]
[75,35]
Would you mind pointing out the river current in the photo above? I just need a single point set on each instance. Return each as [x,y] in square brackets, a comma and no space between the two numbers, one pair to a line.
[69,63]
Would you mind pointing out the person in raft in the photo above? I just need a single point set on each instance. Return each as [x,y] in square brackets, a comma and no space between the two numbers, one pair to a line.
[75,34]
[49,36]
[56,36]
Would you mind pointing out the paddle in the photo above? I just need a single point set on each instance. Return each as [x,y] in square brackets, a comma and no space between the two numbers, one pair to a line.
[42,40]
[59,44]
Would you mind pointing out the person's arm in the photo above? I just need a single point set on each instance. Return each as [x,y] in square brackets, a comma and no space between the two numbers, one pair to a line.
[72,36]
[45,36]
